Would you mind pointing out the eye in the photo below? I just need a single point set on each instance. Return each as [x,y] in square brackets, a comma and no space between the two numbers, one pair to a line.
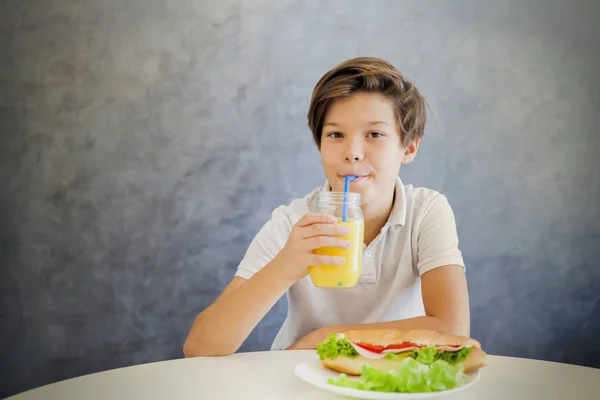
[335,135]
[375,134]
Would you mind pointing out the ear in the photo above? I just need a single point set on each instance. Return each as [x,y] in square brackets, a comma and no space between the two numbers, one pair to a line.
[410,151]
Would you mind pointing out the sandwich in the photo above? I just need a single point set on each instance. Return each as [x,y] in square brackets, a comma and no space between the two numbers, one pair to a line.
[387,349]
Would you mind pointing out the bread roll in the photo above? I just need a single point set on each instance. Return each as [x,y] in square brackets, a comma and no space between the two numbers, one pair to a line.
[384,337]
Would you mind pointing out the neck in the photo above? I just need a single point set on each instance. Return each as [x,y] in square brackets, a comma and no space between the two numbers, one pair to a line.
[376,214]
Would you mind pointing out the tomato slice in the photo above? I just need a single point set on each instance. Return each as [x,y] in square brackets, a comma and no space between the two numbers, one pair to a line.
[379,349]
[401,345]
[374,349]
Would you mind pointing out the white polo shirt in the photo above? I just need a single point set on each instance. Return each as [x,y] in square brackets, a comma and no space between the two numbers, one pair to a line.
[420,235]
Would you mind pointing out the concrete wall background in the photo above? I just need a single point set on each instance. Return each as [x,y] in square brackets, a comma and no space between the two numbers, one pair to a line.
[144,143]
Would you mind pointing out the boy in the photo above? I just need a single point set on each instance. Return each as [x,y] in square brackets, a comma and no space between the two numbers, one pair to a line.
[367,119]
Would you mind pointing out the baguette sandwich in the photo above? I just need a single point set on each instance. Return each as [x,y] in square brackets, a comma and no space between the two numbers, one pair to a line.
[386,349]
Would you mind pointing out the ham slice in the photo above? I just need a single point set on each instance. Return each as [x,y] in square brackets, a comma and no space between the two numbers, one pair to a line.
[449,348]
[378,356]
[402,350]
[366,353]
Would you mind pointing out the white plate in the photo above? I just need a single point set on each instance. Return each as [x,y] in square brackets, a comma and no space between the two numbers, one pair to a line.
[313,372]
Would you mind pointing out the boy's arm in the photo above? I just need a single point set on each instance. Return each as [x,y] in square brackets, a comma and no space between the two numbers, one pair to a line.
[446,301]
[222,328]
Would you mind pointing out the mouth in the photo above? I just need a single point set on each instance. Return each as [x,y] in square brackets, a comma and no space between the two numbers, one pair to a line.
[358,179]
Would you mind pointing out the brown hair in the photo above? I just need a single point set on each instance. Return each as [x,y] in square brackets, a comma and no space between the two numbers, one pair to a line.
[373,75]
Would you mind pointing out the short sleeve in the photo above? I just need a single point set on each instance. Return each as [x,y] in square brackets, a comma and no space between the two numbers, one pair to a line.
[267,243]
[437,239]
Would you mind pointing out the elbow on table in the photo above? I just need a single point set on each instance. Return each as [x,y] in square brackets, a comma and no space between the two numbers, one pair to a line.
[189,350]
[194,348]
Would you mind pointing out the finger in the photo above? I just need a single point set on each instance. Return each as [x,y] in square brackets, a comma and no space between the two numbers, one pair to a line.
[315,218]
[318,259]
[326,241]
[324,229]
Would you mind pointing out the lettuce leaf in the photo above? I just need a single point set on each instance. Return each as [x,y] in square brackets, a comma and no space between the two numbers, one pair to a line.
[428,355]
[334,347]
[425,355]
[413,377]
[454,357]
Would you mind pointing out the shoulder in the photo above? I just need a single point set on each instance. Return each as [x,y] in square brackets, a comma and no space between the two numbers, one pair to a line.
[420,199]
[427,206]
[433,229]
[290,213]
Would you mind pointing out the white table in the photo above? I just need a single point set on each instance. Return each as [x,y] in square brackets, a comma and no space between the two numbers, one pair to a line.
[270,375]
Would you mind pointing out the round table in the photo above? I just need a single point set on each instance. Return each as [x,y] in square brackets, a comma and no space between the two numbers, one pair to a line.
[270,375]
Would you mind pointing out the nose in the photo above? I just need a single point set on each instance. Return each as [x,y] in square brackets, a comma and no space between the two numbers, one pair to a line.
[354,152]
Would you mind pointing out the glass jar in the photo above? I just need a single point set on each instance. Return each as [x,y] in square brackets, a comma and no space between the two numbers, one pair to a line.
[345,275]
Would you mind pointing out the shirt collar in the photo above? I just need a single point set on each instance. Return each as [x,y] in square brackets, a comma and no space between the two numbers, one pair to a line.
[398,213]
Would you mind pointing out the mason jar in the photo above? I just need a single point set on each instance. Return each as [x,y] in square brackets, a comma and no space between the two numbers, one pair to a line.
[345,275]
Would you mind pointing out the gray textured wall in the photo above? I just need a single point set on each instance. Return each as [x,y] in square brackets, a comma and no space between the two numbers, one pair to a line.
[145,142]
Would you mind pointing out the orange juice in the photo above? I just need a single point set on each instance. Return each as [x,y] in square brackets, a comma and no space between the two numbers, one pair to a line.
[344,275]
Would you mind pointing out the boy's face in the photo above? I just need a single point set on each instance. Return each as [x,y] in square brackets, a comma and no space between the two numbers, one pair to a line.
[361,137]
